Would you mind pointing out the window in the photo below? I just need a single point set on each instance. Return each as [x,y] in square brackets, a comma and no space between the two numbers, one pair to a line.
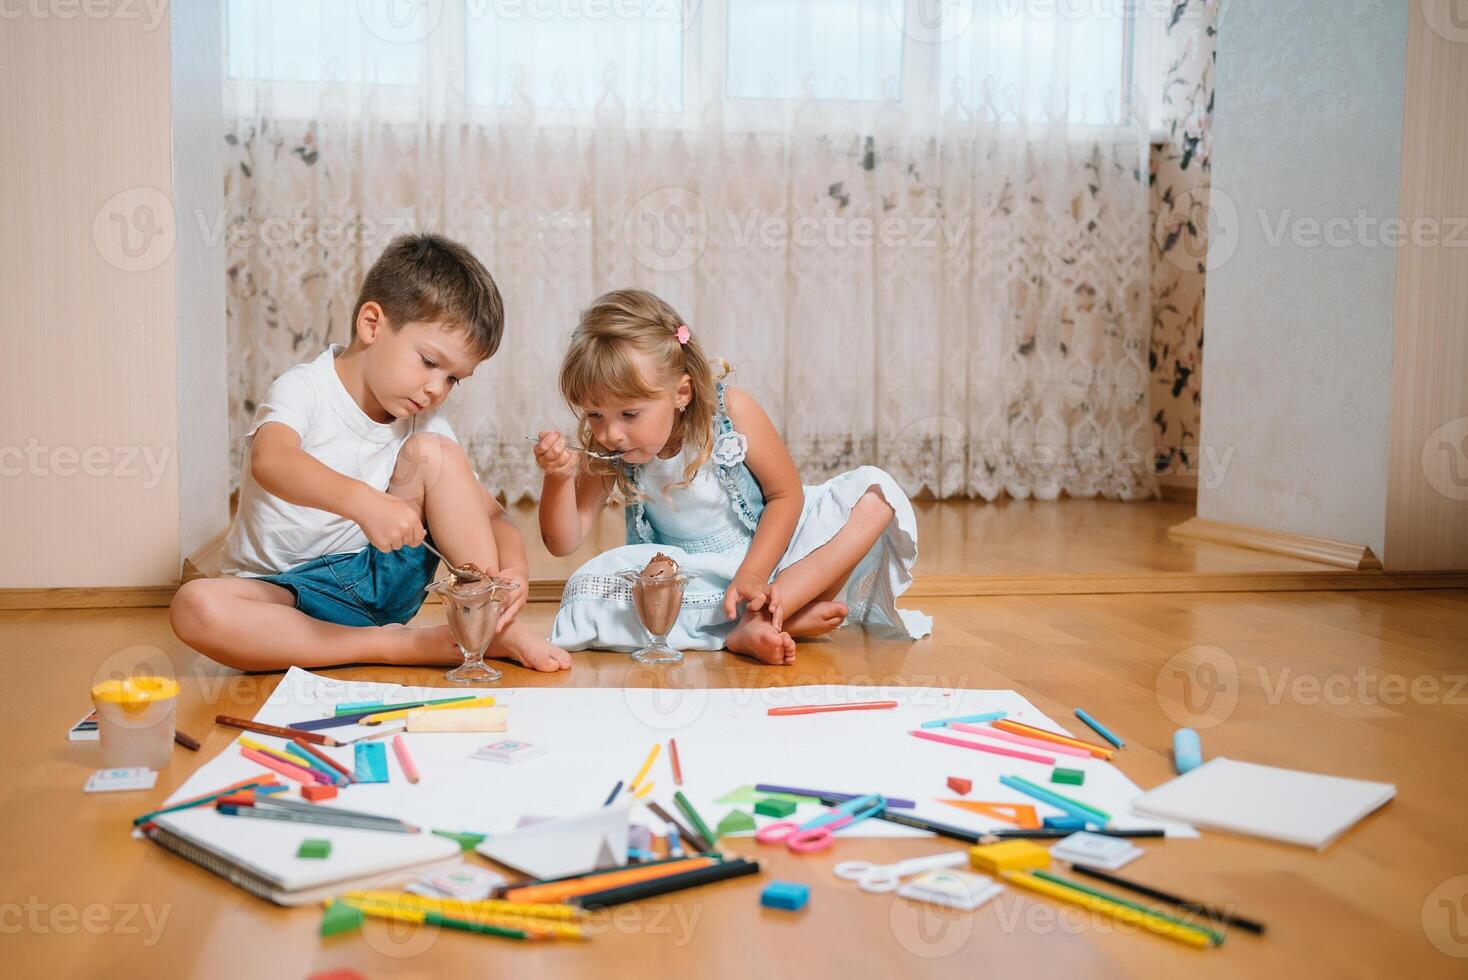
[665,59]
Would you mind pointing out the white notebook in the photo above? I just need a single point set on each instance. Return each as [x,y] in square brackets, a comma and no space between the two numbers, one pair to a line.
[1282,804]
[260,855]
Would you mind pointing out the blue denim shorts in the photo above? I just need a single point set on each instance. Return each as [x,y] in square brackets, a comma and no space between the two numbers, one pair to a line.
[362,588]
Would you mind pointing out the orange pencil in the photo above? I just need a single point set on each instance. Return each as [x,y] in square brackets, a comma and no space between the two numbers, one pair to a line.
[1020,728]
[400,748]
[561,890]
[673,756]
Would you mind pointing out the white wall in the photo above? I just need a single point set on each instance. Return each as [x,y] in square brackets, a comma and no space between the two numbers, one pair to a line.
[1297,371]
[98,380]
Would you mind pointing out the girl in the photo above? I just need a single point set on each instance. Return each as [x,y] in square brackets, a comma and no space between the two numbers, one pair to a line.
[708,481]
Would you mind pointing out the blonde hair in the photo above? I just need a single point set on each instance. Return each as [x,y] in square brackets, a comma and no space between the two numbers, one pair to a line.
[599,363]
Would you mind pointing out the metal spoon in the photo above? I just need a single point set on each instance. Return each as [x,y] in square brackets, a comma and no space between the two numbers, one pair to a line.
[594,454]
[462,575]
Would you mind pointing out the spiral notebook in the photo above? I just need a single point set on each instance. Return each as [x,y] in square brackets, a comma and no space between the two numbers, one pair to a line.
[260,856]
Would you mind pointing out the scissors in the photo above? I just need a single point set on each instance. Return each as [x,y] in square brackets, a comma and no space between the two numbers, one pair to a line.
[816,834]
[871,877]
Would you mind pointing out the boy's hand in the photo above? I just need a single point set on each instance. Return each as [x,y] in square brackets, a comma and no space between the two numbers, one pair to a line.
[389,522]
[517,601]
[758,593]
[552,456]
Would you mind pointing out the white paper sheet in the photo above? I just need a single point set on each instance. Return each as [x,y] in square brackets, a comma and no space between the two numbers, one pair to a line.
[596,736]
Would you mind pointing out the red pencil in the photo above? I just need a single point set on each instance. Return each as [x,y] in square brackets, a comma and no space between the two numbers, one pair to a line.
[305,746]
[811,709]
[400,748]
[673,755]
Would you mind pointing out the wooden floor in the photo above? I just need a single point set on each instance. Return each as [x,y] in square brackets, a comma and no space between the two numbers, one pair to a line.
[1390,898]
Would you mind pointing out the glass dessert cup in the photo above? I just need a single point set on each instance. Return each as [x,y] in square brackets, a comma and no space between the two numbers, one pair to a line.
[656,600]
[473,609]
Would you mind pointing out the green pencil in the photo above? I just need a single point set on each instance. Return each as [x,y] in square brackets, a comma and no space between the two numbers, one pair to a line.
[694,818]
[1216,937]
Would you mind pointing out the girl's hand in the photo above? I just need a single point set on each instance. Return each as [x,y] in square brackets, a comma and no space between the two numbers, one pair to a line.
[517,601]
[758,593]
[552,456]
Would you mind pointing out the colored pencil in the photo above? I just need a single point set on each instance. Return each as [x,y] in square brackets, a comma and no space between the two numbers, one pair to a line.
[1099,728]
[815,794]
[646,764]
[1216,914]
[1215,936]
[812,709]
[300,774]
[1063,803]
[336,721]
[319,818]
[1125,913]
[264,729]
[965,719]
[296,752]
[1048,760]
[400,749]
[502,890]
[613,794]
[273,803]
[384,732]
[186,740]
[983,836]
[294,760]
[695,820]
[691,836]
[308,747]
[642,791]
[392,714]
[1011,737]
[584,886]
[469,908]
[391,913]
[673,757]
[664,885]
[1020,728]
[252,783]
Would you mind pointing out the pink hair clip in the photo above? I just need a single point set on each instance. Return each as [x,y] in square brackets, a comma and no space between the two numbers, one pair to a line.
[682,333]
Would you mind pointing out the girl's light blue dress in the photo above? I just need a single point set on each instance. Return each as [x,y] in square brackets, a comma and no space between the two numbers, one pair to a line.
[707,527]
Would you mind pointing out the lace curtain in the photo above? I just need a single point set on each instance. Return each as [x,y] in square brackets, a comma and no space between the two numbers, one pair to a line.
[922,244]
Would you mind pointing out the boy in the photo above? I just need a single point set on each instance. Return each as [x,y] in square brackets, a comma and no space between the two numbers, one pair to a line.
[349,457]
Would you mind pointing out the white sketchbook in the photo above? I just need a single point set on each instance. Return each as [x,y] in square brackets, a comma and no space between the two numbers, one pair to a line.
[1287,805]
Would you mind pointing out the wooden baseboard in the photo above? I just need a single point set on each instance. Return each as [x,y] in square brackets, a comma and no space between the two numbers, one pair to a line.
[1180,490]
[1355,557]
[923,587]
[88,598]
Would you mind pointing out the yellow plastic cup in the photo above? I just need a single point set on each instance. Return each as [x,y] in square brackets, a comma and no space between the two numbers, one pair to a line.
[135,719]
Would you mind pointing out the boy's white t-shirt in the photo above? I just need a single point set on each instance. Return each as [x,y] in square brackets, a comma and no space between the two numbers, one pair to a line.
[270,535]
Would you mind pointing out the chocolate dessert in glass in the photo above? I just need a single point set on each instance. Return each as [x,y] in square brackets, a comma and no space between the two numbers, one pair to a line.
[657,597]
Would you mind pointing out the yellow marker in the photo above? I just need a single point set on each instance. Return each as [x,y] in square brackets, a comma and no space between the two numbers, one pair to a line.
[533,928]
[383,716]
[1147,920]
[464,909]
[294,760]
[646,765]
[642,791]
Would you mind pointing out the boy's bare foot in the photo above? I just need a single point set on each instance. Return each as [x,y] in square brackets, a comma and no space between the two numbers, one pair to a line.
[756,636]
[522,645]
[816,619]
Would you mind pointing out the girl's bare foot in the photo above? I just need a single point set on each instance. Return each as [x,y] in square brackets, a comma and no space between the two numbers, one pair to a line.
[521,644]
[756,636]
[816,619]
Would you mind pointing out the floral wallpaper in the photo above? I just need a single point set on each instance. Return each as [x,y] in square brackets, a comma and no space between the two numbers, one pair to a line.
[1179,184]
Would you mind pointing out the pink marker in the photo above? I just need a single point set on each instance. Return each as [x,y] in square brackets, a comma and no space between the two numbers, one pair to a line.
[1023,740]
[994,749]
